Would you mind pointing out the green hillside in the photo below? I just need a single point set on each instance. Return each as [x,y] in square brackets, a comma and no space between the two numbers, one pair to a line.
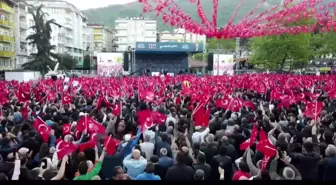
[107,15]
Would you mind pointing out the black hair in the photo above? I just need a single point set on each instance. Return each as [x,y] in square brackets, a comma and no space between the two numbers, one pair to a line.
[180,158]
[150,168]
[49,174]
[201,158]
[222,150]
[83,168]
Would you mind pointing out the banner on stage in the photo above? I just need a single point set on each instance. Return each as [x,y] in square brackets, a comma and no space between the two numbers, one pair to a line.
[110,64]
[223,64]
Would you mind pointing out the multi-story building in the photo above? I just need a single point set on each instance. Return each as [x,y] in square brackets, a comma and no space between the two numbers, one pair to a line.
[67,35]
[180,35]
[130,30]
[24,21]
[98,39]
[7,52]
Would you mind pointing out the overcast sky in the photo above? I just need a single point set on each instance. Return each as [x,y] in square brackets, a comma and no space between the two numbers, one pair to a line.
[87,4]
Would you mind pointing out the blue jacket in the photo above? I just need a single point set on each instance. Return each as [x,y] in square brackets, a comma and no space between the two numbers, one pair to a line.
[128,148]
[148,176]
[134,167]
[165,162]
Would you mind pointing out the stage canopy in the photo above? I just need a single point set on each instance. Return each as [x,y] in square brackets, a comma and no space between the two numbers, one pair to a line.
[168,47]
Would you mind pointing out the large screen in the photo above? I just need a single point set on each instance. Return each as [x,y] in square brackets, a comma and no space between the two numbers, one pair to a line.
[110,64]
[223,64]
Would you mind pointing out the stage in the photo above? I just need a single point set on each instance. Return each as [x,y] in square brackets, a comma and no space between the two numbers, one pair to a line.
[158,56]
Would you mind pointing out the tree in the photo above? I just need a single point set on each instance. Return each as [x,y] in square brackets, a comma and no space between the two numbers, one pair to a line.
[41,40]
[227,44]
[87,62]
[66,61]
[286,50]
[323,44]
[274,52]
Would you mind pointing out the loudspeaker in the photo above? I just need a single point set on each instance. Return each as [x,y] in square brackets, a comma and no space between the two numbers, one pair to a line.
[54,78]
[210,62]
[126,61]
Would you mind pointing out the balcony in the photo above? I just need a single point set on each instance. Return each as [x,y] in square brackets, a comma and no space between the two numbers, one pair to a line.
[68,17]
[23,52]
[7,54]
[23,38]
[5,38]
[6,9]
[6,24]
[23,25]
[68,25]
[69,36]
[118,27]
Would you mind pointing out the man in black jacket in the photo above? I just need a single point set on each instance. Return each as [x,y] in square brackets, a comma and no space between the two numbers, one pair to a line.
[202,165]
[224,162]
[180,171]
[307,163]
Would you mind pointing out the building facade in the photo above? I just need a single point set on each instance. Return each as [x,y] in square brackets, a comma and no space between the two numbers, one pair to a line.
[98,38]
[24,21]
[180,35]
[7,41]
[130,30]
[68,34]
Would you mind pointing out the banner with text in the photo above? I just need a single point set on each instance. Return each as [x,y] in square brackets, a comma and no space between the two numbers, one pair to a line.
[168,47]
[110,64]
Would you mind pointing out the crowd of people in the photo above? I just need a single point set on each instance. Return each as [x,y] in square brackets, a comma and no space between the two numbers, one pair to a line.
[244,127]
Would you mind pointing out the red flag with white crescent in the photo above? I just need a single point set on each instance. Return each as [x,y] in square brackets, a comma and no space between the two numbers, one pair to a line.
[43,129]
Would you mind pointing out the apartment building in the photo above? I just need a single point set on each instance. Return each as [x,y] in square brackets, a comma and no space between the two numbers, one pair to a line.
[24,20]
[180,35]
[130,30]
[7,52]
[67,35]
[98,38]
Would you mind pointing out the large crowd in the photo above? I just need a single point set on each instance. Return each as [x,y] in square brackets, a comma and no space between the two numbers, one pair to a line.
[243,127]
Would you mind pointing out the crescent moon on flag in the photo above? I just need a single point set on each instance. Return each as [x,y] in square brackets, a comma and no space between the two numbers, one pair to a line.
[66,129]
[44,127]
[146,123]
[66,98]
[225,102]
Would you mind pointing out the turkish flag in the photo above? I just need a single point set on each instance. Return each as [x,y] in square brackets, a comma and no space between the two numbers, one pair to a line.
[66,129]
[158,117]
[64,148]
[250,141]
[145,119]
[110,144]
[117,109]
[22,96]
[66,99]
[25,112]
[248,104]
[264,146]
[222,103]
[201,116]
[3,99]
[313,109]
[42,128]
[86,145]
